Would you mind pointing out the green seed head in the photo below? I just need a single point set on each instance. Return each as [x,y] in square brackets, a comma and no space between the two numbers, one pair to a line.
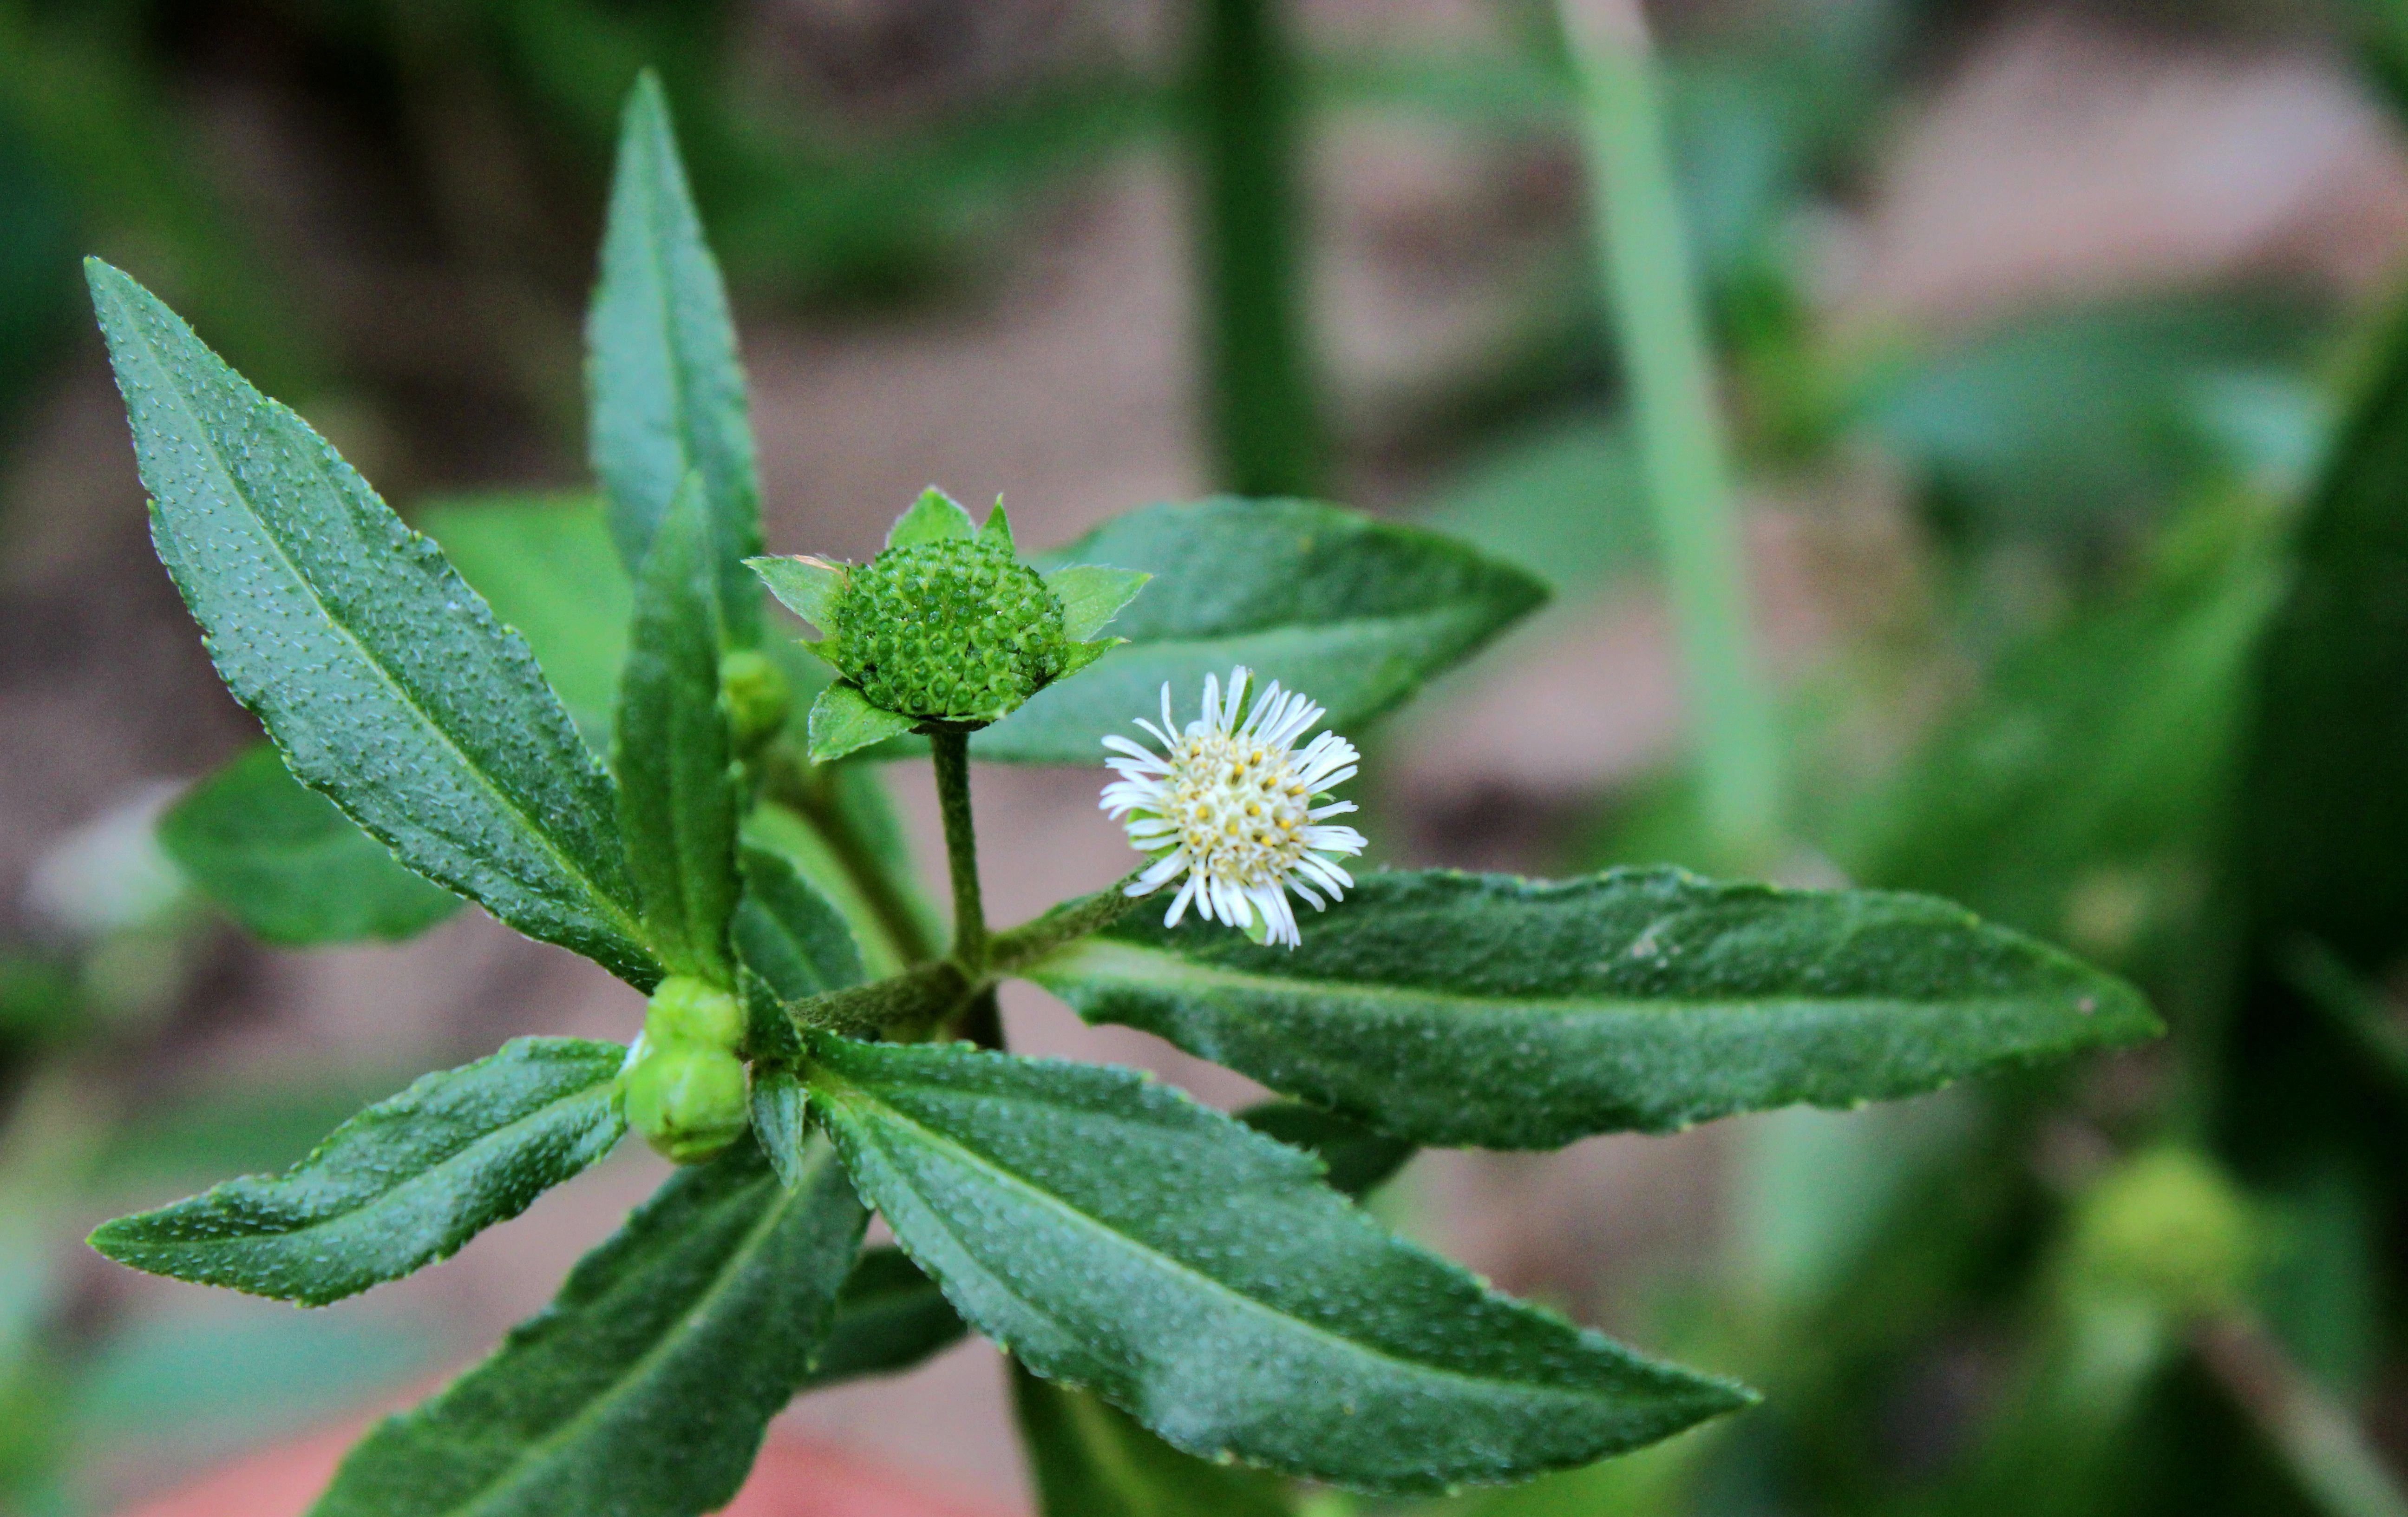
[759,698]
[958,630]
[687,1010]
[688,1100]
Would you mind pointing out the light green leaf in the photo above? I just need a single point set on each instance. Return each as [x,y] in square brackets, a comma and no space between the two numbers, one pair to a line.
[384,680]
[780,1105]
[1091,594]
[1113,1234]
[805,587]
[287,864]
[399,1186]
[889,1318]
[1483,1010]
[1089,1459]
[935,517]
[666,389]
[546,566]
[644,1388]
[677,804]
[791,934]
[1356,613]
[843,721]
[997,528]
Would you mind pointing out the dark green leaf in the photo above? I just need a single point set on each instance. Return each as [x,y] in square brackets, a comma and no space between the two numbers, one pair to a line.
[667,390]
[546,566]
[849,856]
[790,933]
[678,806]
[1353,612]
[286,863]
[1358,1159]
[1088,1459]
[644,1388]
[1115,1234]
[888,1318]
[1484,1010]
[780,1108]
[401,1185]
[382,676]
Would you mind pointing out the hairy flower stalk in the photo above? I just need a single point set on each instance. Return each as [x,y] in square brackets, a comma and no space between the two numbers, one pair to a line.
[1233,806]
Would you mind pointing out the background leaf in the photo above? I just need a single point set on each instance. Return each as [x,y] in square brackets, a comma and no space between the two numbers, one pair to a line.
[644,1388]
[384,680]
[1089,1459]
[1469,1009]
[546,566]
[666,391]
[889,1317]
[677,804]
[285,862]
[1113,1234]
[401,1185]
[1358,1159]
[790,933]
[1353,612]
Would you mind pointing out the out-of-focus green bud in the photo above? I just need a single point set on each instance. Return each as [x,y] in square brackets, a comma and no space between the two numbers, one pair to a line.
[759,698]
[2166,1227]
[684,1009]
[687,1098]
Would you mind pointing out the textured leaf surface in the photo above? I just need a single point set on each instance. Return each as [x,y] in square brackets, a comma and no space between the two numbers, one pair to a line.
[844,722]
[1113,1234]
[546,566]
[805,587]
[888,1318]
[287,864]
[1484,1010]
[382,676]
[790,933]
[402,1184]
[677,795]
[667,390]
[1358,1159]
[1090,1459]
[1356,613]
[644,1388]
[1091,594]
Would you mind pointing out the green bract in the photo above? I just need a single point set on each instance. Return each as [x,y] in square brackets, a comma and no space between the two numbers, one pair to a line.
[1195,1308]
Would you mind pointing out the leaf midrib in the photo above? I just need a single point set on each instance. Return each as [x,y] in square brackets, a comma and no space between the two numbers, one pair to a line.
[1048,1200]
[723,1280]
[509,803]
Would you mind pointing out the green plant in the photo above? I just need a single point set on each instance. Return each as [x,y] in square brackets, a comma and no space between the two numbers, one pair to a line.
[1193,1303]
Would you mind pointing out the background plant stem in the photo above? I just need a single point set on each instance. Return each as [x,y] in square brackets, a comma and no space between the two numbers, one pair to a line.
[1264,424]
[1645,265]
[951,751]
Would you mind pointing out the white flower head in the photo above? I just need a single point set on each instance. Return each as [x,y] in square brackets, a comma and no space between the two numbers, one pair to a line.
[1238,808]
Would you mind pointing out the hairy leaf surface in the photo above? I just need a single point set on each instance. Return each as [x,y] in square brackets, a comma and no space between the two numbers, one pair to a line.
[1115,1235]
[1483,1010]
[383,678]
[399,1186]
[644,1388]
[546,566]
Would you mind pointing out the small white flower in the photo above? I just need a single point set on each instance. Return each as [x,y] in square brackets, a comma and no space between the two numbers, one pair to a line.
[1238,810]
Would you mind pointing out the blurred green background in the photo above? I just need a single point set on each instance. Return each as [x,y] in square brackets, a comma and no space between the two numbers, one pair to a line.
[1969,441]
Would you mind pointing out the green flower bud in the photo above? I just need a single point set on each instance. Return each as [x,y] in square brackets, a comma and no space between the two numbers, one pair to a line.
[759,698]
[2165,1227]
[954,630]
[687,1098]
[684,1009]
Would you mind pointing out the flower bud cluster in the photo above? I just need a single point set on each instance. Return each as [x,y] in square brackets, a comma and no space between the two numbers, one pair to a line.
[685,1091]
[759,698]
[958,630]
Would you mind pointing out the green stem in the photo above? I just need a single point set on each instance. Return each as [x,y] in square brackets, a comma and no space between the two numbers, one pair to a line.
[915,999]
[952,752]
[1081,916]
[1649,285]
[1264,420]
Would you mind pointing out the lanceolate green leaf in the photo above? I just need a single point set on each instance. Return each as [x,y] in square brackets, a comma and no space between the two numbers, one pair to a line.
[888,1318]
[546,566]
[1115,1235]
[383,678]
[644,1388]
[667,390]
[789,933]
[287,864]
[1483,1010]
[402,1184]
[1090,1459]
[677,794]
[1353,612]
[1357,1160]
